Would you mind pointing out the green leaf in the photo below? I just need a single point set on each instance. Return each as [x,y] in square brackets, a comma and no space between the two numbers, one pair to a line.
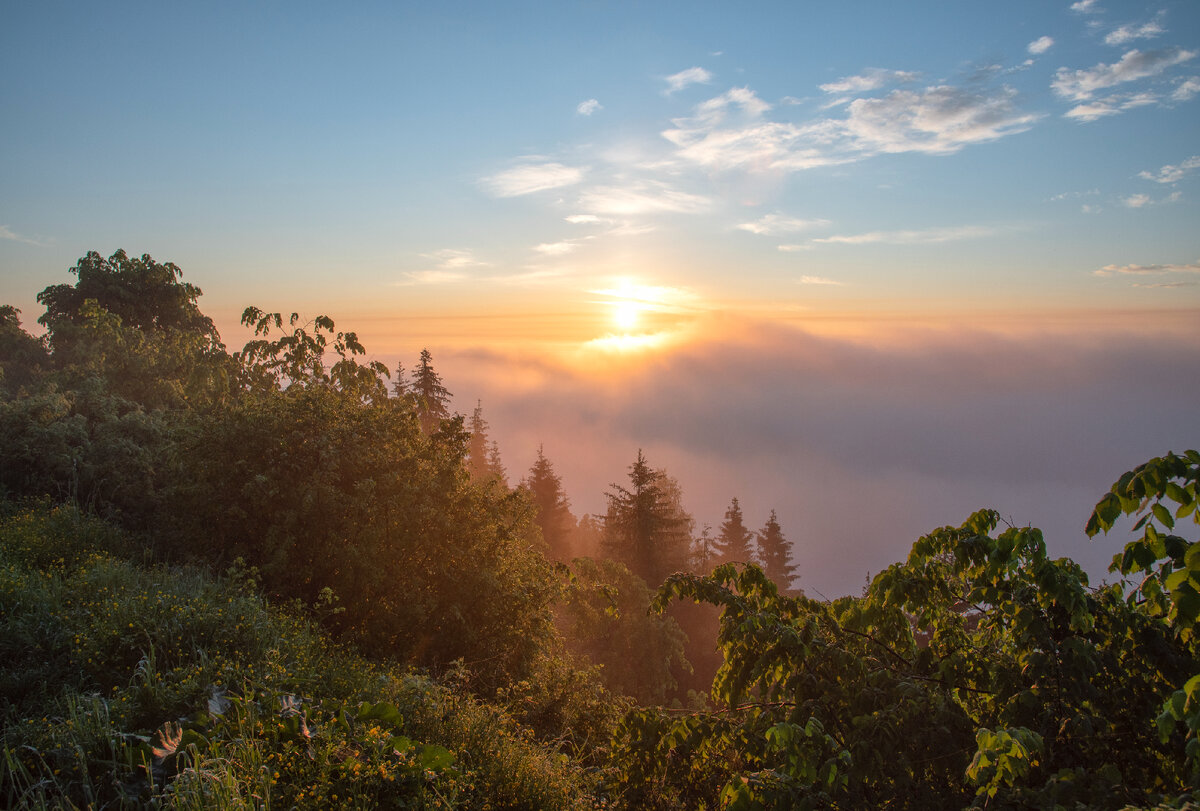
[1163,515]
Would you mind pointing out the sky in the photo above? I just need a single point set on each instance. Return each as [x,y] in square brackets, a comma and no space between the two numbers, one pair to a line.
[873,265]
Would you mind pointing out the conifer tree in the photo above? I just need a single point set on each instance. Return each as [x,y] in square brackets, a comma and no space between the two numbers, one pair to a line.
[495,466]
[477,448]
[554,509]
[400,386]
[733,544]
[645,528]
[432,397]
[704,551]
[775,552]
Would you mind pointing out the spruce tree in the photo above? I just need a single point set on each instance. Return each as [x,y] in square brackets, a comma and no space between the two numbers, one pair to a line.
[733,544]
[775,552]
[400,386]
[477,448]
[432,397]
[645,528]
[554,509]
[495,466]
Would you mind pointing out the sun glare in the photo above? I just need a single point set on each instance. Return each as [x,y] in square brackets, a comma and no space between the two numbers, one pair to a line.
[625,314]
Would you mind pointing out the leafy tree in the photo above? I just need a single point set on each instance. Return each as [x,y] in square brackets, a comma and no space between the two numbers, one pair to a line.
[553,508]
[978,657]
[144,294]
[644,527]
[23,358]
[606,618]
[775,552]
[733,544]
[432,397]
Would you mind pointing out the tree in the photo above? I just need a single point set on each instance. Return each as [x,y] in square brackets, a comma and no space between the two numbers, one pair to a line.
[775,552]
[432,397]
[145,294]
[23,358]
[553,508]
[477,450]
[733,544]
[644,527]
[399,384]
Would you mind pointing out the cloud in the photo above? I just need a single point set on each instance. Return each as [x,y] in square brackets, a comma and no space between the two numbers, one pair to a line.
[1173,174]
[683,78]
[780,224]
[588,107]
[641,198]
[1187,89]
[1167,284]
[1143,270]
[556,248]
[1128,33]
[433,277]
[1085,7]
[794,248]
[928,236]
[581,219]
[938,120]
[819,280]
[1136,200]
[933,426]
[871,79]
[454,258]
[12,236]
[1081,85]
[1040,45]
[532,177]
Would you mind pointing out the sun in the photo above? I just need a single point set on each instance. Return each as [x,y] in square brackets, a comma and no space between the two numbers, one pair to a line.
[625,314]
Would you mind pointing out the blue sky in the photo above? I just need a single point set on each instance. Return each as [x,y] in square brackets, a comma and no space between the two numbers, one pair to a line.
[517,184]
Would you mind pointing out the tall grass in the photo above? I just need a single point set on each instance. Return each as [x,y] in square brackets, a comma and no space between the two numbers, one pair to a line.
[127,685]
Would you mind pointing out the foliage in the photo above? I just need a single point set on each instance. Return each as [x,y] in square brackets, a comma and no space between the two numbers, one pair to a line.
[979,657]
[606,617]
[433,399]
[23,358]
[131,686]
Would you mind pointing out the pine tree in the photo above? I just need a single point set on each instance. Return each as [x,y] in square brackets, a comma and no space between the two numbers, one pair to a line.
[733,544]
[477,449]
[432,396]
[400,386]
[554,509]
[775,551]
[704,551]
[495,466]
[645,527]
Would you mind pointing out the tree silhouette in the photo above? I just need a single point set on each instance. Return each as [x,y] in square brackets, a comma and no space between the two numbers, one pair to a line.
[432,397]
[554,509]
[644,527]
[775,552]
[733,544]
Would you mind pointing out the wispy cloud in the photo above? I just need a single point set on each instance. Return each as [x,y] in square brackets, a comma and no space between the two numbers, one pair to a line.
[1040,45]
[454,259]
[1143,200]
[588,107]
[12,236]
[532,177]
[925,236]
[821,280]
[781,224]
[583,219]
[556,248]
[1085,7]
[1167,284]
[642,198]
[1146,270]
[871,79]
[1081,85]
[795,248]
[433,277]
[938,120]
[1187,89]
[683,78]
[1129,33]
[1172,173]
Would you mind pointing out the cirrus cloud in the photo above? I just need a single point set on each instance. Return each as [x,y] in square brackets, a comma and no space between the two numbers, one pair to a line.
[1081,85]
[532,177]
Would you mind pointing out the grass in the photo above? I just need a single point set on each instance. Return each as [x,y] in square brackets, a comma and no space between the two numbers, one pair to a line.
[125,685]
